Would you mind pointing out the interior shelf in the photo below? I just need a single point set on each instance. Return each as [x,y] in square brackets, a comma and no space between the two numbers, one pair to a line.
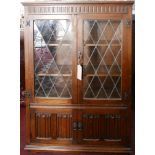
[102,74]
[88,75]
[48,74]
[54,43]
[42,46]
[64,44]
[101,44]
[103,71]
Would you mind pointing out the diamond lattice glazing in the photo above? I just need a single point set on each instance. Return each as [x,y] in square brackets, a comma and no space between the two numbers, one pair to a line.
[52,57]
[102,59]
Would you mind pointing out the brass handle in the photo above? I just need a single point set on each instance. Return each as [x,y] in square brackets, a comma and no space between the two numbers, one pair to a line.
[79,57]
[27,94]
[75,125]
[80,126]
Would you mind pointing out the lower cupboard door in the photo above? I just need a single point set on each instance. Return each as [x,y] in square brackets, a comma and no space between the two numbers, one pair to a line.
[105,127]
[51,126]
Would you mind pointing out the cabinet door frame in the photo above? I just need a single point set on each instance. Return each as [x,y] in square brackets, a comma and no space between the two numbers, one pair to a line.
[52,125]
[29,52]
[126,59]
[102,122]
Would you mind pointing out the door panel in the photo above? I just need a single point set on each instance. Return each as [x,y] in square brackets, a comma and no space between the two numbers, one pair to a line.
[104,60]
[51,125]
[105,127]
[52,59]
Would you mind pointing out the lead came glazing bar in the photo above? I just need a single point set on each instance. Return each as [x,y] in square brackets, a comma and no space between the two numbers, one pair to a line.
[102,41]
[53,58]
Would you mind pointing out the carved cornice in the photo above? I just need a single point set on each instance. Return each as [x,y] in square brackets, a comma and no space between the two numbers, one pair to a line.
[85,9]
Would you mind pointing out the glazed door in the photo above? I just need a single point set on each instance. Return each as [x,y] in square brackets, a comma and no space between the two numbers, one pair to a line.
[104,58]
[51,60]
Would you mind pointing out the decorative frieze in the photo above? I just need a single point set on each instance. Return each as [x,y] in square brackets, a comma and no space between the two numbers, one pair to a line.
[76,9]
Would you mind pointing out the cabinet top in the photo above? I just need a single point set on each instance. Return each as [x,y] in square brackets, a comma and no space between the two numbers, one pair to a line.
[43,2]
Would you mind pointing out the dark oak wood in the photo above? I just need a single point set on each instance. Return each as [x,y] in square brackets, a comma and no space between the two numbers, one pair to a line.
[51,126]
[77,149]
[22,62]
[80,124]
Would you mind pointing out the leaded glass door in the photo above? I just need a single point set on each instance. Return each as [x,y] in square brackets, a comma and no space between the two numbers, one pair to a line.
[103,59]
[53,65]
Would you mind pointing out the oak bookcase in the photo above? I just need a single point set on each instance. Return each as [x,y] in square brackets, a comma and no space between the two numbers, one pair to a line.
[78,71]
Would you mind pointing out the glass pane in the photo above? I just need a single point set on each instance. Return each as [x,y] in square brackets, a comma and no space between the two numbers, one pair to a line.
[53,58]
[102,59]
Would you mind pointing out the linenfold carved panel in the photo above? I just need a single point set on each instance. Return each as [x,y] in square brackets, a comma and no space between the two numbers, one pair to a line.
[43,125]
[77,9]
[48,126]
[105,127]
[64,126]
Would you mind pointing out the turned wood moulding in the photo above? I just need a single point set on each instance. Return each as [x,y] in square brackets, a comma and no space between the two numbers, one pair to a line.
[76,7]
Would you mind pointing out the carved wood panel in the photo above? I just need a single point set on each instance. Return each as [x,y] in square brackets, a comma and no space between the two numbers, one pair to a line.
[51,126]
[43,125]
[105,127]
[74,9]
[64,126]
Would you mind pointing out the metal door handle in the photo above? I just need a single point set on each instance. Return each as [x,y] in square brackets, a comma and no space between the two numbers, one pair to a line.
[80,126]
[79,57]
[27,94]
[75,124]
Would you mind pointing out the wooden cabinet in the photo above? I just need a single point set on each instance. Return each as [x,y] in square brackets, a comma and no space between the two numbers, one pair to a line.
[78,67]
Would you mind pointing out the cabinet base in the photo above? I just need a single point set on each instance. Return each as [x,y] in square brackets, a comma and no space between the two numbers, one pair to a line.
[77,148]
